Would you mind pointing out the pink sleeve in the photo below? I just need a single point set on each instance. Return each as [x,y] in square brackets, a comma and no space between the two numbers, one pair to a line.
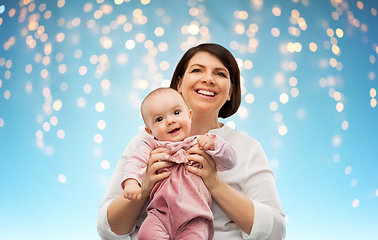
[136,164]
[223,154]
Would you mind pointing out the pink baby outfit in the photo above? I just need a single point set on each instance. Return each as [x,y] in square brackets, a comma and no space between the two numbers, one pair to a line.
[180,204]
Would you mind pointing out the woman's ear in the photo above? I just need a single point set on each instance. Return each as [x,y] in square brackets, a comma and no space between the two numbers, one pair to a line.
[229,94]
[148,130]
[179,85]
[190,115]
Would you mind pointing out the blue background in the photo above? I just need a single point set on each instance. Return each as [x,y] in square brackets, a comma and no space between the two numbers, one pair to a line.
[326,175]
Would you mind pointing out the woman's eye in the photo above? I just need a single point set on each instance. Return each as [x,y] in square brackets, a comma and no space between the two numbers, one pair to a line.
[195,70]
[177,112]
[221,74]
[159,119]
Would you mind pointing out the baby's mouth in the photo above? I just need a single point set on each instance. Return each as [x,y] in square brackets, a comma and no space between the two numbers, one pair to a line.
[174,130]
[206,93]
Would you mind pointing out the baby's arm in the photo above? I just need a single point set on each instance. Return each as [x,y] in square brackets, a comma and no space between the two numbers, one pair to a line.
[132,190]
[206,142]
[223,153]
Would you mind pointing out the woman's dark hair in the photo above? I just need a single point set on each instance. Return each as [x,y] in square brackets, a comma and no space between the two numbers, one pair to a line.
[228,60]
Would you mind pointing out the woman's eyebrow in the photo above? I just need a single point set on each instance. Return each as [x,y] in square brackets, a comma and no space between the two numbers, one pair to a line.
[202,66]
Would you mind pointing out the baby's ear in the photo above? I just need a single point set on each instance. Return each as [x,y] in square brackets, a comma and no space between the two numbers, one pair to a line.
[148,130]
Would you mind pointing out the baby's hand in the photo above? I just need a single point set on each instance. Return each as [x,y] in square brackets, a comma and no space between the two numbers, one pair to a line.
[206,142]
[132,190]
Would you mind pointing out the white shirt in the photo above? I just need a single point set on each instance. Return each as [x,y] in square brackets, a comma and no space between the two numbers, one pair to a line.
[252,176]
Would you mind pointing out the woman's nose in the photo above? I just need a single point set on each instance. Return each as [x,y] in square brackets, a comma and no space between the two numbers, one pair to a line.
[208,79]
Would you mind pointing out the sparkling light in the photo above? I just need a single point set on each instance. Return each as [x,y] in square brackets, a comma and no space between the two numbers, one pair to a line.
[275,32]
[81,102]
[130,44]
[46,126]
[339,106]
[105,84]
[100,107]
[345,125]
[243,112]
[373,102]
[284,98]
[57,105]
[276,10]
[273,106]
[282,130]
[249,98]
[336,158]
[336,141]
[62,178]
[373,92]
[54,120]
[98,138]
[101,124]
[61,134]
[143,84]
[105,164]
[159,31]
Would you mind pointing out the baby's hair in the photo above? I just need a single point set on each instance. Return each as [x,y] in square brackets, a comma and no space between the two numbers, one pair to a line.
[155,92]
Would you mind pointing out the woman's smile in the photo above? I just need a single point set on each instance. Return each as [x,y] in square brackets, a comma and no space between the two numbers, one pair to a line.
[207,93]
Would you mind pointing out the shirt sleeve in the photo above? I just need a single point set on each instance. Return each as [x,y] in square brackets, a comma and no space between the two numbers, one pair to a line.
[224,154]
[114,190]
[136,164]
[260,186]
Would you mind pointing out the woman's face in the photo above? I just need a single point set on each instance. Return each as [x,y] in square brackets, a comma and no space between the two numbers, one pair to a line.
[206,84]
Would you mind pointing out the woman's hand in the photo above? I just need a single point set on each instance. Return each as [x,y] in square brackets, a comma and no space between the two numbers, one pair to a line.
[208,172]
[151,176]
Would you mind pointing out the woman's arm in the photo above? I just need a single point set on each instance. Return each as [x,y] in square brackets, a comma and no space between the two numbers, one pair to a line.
[117,215]
[255,208]
[235,204]
[123,213]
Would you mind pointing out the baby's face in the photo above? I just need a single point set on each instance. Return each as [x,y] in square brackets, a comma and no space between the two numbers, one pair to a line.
[167,116]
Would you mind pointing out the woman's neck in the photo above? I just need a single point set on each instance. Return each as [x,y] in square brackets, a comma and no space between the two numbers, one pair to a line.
[203,124]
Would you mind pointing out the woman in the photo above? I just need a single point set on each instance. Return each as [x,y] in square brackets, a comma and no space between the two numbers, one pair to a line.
[245,199]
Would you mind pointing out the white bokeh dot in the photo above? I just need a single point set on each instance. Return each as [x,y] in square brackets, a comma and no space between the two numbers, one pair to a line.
[336,158]
[46,126]
[81,102]
[243,112]
[355,203]
[100,107]
[87,88]
[54,120]
[284,98]
[274,163]
[62,178]
[7,94]
[101,124]
[336,141]
[345,125]
[61,134]
[105,164]
[98,138]
[273,106]
[348,170]
[282,130]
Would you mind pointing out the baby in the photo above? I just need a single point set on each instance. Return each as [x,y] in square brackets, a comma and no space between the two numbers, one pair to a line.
[179,204]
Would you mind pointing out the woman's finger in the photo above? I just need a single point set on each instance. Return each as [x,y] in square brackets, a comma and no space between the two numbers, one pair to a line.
[200,156]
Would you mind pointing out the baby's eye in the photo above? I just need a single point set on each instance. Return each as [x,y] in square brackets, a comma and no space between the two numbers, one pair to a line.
[159,119]
[177,112]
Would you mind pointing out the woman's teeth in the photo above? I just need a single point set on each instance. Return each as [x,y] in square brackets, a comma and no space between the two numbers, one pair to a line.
[206,93]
